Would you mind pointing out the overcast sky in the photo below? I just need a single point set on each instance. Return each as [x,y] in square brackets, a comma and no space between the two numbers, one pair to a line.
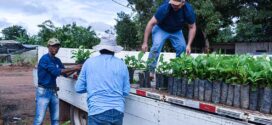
[100,14]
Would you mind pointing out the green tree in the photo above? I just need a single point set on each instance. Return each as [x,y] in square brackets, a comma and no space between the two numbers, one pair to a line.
[208,19]
[126,32]
[30,40]
[74,36]
[70,35]
[144,11]
[13,32]
[255,21]
[47,31]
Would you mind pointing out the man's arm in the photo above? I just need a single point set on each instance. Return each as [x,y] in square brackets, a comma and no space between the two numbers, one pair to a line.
[81,82]
[152,22]
[126,86]
[191,36]
[69,71]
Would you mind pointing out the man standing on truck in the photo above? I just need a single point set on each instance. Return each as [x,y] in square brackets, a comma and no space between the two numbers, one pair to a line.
[105,78]
[49,68]
[167,24]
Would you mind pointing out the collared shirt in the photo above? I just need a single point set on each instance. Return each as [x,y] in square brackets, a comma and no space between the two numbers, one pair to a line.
[172,21]
[49,68]
[105,79]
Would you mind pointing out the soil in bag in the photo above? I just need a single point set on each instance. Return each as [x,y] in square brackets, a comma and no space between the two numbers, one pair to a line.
[208,91]
[253,98]
[267,100]
[170,85]
[216,89]
[224,93]
[201,90]
[230,95]
[237,97]
[245,96]
[184,87]
[190,89]
[196,89]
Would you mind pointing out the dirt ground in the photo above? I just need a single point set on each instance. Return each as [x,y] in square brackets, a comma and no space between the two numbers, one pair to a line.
[17,96]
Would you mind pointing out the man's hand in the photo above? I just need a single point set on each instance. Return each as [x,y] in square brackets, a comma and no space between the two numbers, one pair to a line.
[77,67]
[145,47]
[188,50]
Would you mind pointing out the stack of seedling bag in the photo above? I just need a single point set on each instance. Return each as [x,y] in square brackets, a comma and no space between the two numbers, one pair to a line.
[241,81]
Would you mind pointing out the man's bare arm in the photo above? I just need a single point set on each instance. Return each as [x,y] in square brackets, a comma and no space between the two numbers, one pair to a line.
[191,36]
[151,23]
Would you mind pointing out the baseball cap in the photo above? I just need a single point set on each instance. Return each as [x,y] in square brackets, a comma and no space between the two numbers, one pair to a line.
[176,2]
[53,41]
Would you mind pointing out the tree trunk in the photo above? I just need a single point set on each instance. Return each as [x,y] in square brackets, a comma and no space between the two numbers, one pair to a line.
[207,43]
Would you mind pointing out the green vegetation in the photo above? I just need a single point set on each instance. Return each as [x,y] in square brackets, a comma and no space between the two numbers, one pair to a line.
[81,55]
[70,35]
[135,63]
[232,69]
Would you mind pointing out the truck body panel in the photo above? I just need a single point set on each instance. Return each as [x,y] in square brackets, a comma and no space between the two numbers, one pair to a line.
[144,107]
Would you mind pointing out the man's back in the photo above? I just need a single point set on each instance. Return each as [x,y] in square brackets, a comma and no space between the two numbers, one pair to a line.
[107,82]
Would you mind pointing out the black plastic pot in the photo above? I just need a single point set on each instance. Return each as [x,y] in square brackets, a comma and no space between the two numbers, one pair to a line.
[196,89]
[131,74]
[267,100]
[184,87]
[178,83]
[253,99]
[224,93]
[161,81]
[245,96]
[208,91]
[230,95]
[170,85]
[237,97]
[175,86]
[144,79]
[216,91]
[190,89]
[201,90]
[260,98]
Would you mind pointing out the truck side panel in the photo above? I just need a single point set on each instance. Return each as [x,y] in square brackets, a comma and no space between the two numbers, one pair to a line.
[144,111]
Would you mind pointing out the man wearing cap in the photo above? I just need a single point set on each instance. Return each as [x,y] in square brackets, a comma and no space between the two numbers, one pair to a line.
[49,68]
[167,24]
[105,79]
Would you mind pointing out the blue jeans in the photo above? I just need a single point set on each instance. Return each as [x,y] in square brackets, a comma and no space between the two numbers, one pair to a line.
[46,98]
[159,37]
[109,117]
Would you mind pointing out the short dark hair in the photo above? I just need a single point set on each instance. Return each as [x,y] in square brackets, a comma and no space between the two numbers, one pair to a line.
[105,51]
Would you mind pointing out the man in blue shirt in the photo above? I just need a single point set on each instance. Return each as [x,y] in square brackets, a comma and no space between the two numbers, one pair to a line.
[167,24]
[49,68]
[105,79]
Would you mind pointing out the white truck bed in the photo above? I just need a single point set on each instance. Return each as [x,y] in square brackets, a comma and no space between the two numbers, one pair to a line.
[144,107]
[146,111]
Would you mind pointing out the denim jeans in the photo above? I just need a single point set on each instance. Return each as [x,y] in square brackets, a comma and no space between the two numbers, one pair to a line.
[46,98]
[159,37]
[109,117]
